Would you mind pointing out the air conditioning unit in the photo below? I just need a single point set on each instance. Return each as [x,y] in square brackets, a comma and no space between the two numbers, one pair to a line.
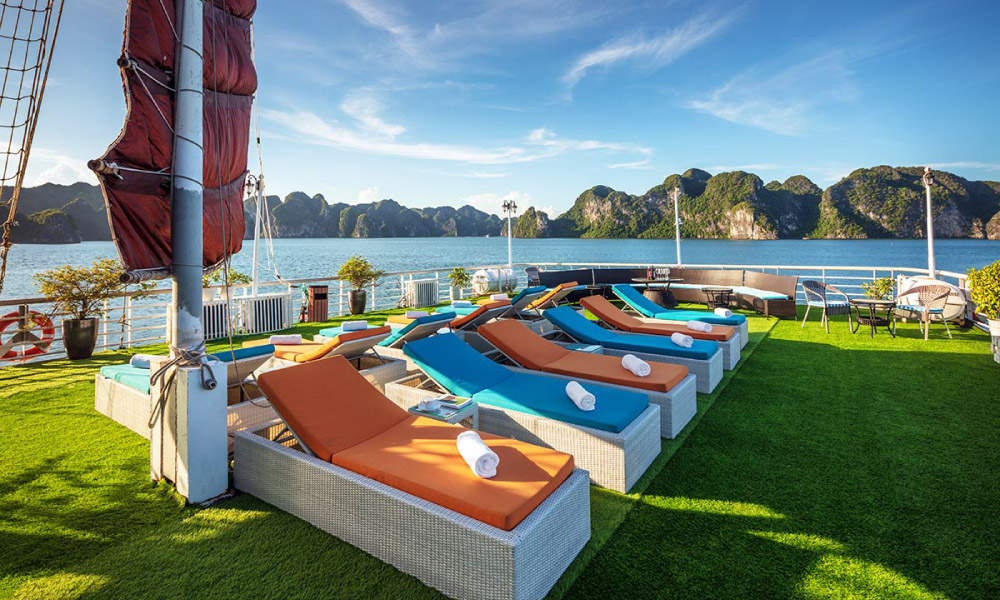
[263,313]
[421,292]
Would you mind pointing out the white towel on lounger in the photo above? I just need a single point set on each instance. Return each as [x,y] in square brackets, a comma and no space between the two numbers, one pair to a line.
[724,313]
[583,399]
[495,297]
[477,454]
[141,361]
[699,326]
[682,340]
[354,325]
[461,303]
[415,314]
[288,339]
[639,367]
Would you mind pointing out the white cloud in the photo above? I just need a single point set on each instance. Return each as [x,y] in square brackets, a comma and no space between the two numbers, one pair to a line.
[548,210]
[656,52]
[368,195]
[364,107]
[638,164]
[54,167]
[749,167]
[965,164]
[377,137]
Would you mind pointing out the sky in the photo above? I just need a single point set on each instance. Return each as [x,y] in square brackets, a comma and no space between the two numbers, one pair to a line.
[457,102]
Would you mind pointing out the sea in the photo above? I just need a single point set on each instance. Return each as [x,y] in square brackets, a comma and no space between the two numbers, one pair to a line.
[306,258]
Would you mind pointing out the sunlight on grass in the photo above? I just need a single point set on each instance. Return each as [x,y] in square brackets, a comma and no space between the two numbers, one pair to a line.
[802,541]
[713,507]
[62,586]
[844,578]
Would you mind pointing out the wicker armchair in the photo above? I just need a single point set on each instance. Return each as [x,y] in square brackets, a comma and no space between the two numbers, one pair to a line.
[818,295]
[930,302]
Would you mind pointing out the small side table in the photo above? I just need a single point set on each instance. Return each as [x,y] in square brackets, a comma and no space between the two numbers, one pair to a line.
[468,413]
[867,314]
[661,293]
[717,296]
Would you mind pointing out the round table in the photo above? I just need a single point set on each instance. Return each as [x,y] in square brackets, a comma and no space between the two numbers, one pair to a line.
[867,314]
[717,296]
[660,294]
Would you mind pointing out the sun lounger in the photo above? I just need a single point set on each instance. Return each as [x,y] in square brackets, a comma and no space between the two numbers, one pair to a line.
[669,386]
[703,358]
[553,297]
[616,442]
[482,314]
[416,329]
[395,486]
[122,392]
[647,308]
[727,337]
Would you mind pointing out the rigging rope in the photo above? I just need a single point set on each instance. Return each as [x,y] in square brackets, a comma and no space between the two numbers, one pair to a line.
[24,41]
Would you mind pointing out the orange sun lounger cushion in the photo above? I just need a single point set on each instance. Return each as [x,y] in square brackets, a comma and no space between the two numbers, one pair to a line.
[457,322]
[539,354]
[619,319]
[343,419]
[310,351]
[549,294]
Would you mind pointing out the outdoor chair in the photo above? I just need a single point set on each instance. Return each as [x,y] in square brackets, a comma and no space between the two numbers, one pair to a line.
[930,302]
[818,294]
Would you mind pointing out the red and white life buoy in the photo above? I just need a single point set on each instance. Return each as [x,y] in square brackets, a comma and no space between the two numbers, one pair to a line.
[24,342]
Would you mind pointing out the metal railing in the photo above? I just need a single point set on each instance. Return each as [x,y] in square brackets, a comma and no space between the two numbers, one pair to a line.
[127,322]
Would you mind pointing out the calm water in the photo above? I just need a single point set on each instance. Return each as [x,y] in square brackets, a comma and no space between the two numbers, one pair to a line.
[300,258]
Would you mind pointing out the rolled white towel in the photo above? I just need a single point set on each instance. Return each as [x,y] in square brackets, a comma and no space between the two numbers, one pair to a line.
[682,340]
[415,314]
[495,297]
[429,405]
[141,361]
[354,325]
[639,367]
[477,454]
[583,399]
[699,326]
[288,339]
[724,312]
[461,303]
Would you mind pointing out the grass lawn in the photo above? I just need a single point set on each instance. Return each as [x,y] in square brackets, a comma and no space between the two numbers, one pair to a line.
[828,466]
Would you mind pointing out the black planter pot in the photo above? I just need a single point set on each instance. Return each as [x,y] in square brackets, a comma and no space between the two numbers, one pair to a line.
[358,299]
[79,337]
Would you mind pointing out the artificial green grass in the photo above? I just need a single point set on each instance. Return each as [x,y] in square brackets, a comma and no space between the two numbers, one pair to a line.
[742,507]
[833,466]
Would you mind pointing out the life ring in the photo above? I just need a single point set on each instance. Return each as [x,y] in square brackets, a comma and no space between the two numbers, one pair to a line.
[28,343]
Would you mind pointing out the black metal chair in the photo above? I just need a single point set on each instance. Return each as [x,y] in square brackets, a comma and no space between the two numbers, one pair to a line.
[818,295]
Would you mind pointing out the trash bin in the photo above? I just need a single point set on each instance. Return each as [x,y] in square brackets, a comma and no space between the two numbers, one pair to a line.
[316,303]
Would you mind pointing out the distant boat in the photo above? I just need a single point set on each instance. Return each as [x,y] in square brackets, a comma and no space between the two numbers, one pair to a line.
[487,235]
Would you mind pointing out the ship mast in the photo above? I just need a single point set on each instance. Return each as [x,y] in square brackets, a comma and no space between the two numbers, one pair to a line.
[187,197]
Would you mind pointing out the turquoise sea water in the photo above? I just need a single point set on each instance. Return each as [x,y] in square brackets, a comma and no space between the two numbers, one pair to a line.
[301,258]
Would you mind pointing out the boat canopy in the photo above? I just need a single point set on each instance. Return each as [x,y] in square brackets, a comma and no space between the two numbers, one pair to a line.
[135,171]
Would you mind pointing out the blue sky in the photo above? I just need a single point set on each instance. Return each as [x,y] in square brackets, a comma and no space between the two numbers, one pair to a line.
[456,102]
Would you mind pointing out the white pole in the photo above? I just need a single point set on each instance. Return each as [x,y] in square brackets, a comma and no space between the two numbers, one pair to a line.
[928,180]
[677,226]
[188,194]
[509,207]
[256,232]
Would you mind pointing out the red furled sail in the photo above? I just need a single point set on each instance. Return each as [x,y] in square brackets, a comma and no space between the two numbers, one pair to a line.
[135,171]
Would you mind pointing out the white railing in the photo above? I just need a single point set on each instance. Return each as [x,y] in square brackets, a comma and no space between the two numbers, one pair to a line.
[126,322]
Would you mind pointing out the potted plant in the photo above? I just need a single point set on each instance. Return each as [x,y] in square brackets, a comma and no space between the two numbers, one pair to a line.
[878,289]
[460,279]
[984,287]
[80,292]
[360,273]
[228,277]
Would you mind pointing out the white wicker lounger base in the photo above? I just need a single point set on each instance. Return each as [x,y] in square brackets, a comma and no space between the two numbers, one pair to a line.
[677,407]
[451,552]
[615,460]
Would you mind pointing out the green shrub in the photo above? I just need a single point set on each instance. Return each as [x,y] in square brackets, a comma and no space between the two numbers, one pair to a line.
[984,285]
[359,272]
[234,278]
[878,289]
[459,278]
[81,291]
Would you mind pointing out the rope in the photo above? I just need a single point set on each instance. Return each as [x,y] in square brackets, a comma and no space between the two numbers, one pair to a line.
[166,374]
[44,53]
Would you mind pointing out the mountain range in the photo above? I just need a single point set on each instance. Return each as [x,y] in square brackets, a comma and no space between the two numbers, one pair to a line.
[877,202]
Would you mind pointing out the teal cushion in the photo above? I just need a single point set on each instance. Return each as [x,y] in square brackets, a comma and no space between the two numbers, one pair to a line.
[838,303]
[332,332]
[402,331]
[699,315]
[636,300]
[133,377]
[687,286]
[585,330]
[916,308]
[241,353]
[457,366]
[758,293]
[530,290]
[458,310]
[546,397]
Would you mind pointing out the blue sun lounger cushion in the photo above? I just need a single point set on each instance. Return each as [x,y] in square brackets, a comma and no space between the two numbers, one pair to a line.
[463,371]
[646,307]
[444,318]
[589,332]
[134,377]
[241,353]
